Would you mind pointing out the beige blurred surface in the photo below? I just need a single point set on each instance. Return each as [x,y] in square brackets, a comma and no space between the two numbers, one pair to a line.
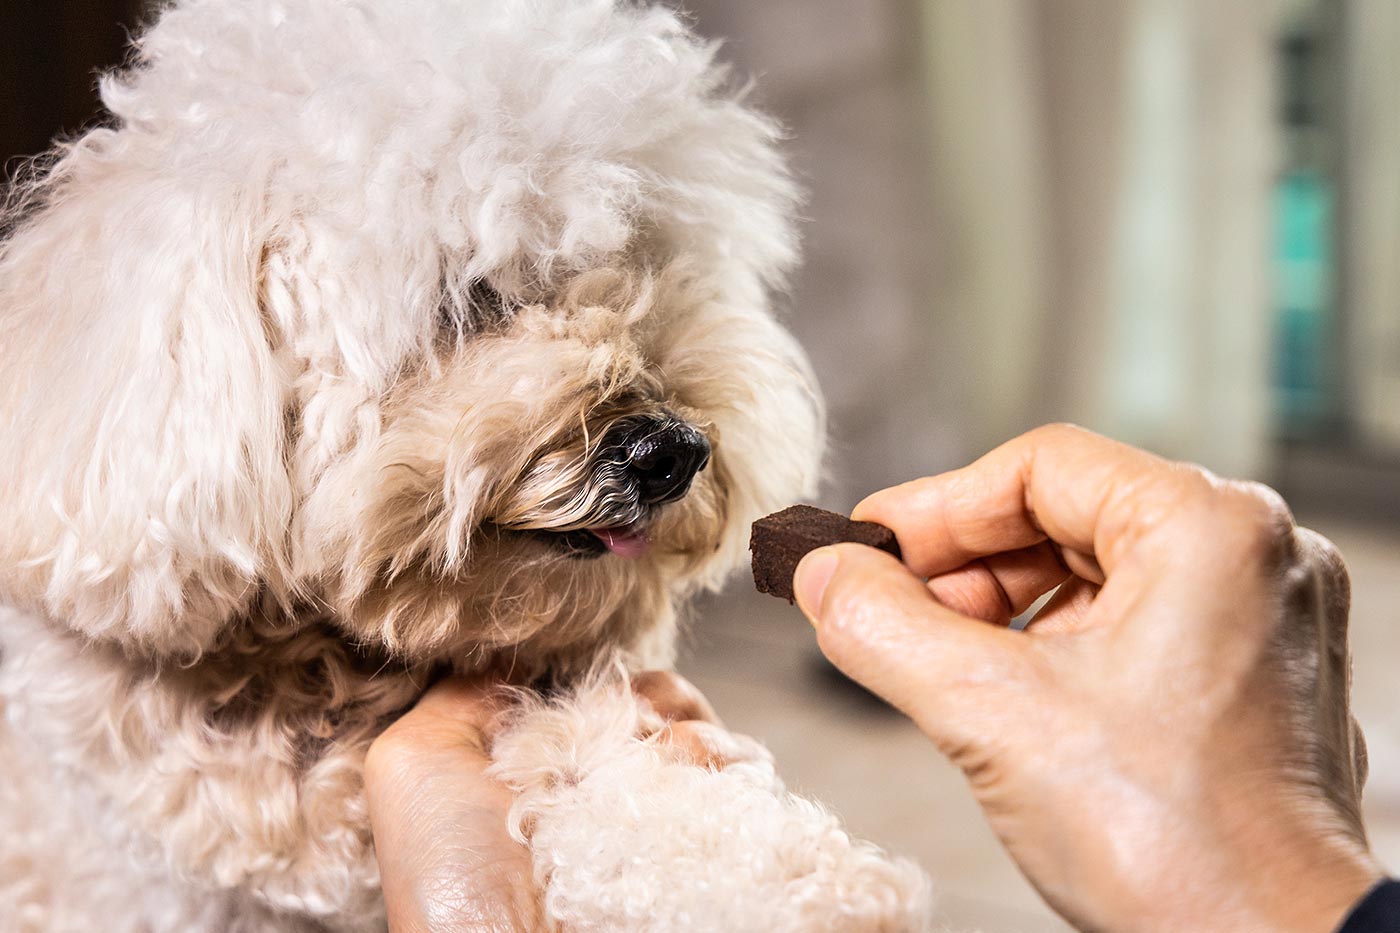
[755,658]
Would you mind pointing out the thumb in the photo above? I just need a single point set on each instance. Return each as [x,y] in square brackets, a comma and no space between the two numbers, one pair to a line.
[881,626]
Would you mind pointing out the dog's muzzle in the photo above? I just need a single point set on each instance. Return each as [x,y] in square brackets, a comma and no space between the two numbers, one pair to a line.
[642,463]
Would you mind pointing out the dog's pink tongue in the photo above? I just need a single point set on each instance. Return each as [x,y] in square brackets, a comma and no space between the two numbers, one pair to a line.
[623,542]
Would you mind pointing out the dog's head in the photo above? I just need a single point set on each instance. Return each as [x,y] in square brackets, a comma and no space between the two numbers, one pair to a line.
[447,320]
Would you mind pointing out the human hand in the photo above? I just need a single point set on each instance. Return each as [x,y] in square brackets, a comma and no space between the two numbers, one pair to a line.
[447,859]
[1168,746]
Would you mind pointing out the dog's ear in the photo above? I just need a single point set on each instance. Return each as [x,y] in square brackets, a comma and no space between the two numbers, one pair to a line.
[143,490]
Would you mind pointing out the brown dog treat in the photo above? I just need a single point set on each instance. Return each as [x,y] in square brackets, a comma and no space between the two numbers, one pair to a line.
[780,540]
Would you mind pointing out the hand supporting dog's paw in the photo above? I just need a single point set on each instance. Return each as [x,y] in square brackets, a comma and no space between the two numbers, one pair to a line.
[446,856]
[626,833]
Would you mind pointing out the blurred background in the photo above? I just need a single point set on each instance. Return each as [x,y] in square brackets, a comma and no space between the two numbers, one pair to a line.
[1174,221]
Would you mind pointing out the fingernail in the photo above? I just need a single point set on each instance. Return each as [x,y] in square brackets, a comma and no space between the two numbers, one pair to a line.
[811,577]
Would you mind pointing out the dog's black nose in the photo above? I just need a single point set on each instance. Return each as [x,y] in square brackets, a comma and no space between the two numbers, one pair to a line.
[663,456]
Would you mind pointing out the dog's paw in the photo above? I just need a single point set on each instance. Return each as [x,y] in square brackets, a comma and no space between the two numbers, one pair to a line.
[628,833]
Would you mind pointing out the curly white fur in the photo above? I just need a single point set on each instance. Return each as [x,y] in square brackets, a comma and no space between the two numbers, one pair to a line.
[302,359]
[628,835]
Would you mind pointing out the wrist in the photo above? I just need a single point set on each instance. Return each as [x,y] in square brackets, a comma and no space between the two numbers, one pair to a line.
[1265,867]
[1279,875]
[1311,886]
[1300,858]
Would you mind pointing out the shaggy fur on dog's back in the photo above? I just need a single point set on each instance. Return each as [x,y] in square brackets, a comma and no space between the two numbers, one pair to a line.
[318,370]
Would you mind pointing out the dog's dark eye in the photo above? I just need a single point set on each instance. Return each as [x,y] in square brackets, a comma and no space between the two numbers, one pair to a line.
[481,307]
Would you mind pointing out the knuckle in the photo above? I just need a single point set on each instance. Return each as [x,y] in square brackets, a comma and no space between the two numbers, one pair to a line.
[1262,542]
[1315,598]
[1319,563]
[709,745]
[1263,503]
[1178,500]
[837,608]
[655,683]
[387,751]
[670,694]
[1190,488]
[841,631]
[1322,557]
[1248,518]
[1059,432]
[846,601]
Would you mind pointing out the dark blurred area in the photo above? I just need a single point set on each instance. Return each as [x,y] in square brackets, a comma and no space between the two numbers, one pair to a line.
[50,56]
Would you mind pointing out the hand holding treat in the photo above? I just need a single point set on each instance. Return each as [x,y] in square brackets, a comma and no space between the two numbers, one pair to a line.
[1168,745]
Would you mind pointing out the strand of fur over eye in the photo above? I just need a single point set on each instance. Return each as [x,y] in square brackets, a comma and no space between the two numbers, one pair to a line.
[612,849]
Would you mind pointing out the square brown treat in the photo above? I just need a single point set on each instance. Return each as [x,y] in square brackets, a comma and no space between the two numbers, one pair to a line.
[779,541]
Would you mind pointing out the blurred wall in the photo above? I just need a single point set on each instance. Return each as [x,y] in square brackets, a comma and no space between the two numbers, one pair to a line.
[1023,212]
[845,76]
[1372,211]
[1105,172]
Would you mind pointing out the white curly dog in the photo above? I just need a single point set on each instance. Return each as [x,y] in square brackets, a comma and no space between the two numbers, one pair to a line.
[373,338]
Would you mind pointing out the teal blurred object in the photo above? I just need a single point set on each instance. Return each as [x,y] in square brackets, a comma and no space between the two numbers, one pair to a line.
[1305,372]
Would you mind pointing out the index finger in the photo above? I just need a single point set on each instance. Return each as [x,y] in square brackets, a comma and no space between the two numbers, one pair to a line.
[1062,483]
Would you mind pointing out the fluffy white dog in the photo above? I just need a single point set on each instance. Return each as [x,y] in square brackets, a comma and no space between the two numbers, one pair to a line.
[372,339]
